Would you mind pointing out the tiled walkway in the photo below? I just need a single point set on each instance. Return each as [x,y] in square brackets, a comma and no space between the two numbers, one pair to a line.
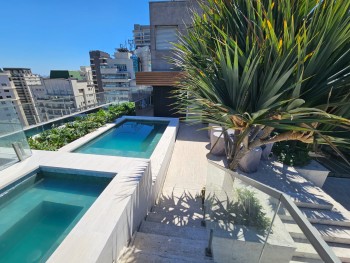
[172,231]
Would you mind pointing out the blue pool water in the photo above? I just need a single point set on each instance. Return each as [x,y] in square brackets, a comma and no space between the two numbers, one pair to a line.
[38,213]
[136,138]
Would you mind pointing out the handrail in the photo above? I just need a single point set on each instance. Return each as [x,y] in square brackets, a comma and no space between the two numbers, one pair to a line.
[321,247]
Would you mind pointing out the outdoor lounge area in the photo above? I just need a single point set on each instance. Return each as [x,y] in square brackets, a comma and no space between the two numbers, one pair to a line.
[222,160]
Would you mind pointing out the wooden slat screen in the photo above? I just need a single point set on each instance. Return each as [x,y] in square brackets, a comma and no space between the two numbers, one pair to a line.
[158,78]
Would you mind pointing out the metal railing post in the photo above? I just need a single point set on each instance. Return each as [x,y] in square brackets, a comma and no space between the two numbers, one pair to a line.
[208,250]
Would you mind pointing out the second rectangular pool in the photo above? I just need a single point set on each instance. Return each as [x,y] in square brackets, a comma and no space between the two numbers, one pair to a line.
[131,138]
[38,211]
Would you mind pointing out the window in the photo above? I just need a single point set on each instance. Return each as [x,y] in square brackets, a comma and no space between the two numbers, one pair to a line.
[4,84]
[1,97]
[165,35]
[121,67]
[9,97]
[6,90]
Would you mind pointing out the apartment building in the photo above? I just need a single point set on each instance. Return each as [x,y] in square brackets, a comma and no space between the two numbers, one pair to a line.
[167,20]
[142,35]
[97,59]
[58,97]
[86,74]
[23,78]
[9,95]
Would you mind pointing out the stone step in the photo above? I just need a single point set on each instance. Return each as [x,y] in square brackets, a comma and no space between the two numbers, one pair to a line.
[138,256]
[305,260]
[172,218]
[180,209]
[334,234]
[303,202]
[194,233]
[173,248]
[306,250]
[315,216]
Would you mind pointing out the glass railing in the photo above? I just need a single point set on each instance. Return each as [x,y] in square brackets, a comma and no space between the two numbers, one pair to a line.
[48,109]
[251,222]
[13,144]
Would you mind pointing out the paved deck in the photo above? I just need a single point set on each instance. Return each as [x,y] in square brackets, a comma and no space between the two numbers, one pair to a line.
[339,189]
[172,231]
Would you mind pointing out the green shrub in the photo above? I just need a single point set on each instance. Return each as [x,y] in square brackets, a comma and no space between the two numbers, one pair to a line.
[57,137]
[292,153]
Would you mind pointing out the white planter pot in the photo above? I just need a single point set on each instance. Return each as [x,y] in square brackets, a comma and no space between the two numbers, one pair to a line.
[314,172]
[217,142]
[250,162]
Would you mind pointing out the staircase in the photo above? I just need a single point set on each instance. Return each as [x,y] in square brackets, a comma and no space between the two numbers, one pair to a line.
[333,226]
[171,233]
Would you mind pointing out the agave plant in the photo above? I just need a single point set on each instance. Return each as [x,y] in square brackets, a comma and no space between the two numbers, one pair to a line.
[256,66]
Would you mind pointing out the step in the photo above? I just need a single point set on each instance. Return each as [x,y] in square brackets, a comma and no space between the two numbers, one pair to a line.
[333,217]
[305,200]
[168,247]
[305,260]
[194,233]
[173,218]
[306,250]
[138,256]
[180,208]
[334,234]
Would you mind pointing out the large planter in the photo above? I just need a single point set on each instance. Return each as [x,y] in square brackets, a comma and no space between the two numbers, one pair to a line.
[266,150]
[250,162]
[217,142]
[314,172]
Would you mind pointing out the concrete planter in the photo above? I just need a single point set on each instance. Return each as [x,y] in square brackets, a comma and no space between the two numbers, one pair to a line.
[266,151]
[314,172]
[250,162]
[217,142]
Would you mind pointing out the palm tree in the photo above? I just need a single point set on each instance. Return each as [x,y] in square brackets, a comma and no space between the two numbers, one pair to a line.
[257,66]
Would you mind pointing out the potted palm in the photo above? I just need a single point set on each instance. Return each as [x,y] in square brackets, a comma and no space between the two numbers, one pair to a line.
[258,66]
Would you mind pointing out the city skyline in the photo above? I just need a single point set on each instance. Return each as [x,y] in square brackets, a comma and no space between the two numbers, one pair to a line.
[42,39]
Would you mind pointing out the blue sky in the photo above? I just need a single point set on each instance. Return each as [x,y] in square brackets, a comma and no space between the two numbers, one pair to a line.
[58,34]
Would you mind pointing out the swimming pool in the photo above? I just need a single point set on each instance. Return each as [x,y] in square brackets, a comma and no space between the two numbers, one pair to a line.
[38,211]
[131,138]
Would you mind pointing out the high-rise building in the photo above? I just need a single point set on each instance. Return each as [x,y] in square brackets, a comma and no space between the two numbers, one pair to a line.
[59,96]
[167,20]
[142,35]
[97,59]
[23,78]
[8,92]
[115,74]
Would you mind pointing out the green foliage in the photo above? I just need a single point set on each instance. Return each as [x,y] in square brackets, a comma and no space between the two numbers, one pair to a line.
[256,66]
[292,153]
[249,211]
[57,137]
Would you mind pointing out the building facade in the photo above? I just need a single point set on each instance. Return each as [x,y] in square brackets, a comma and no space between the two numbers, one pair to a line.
[167,20]
[97,59]
[23,78]
[142,35]
[9,93]
[58,97]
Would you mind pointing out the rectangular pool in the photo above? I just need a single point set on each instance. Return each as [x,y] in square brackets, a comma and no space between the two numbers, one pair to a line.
[131,138]
[38,212]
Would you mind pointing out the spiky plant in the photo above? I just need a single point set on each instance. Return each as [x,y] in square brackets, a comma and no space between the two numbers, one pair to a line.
[260,65]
